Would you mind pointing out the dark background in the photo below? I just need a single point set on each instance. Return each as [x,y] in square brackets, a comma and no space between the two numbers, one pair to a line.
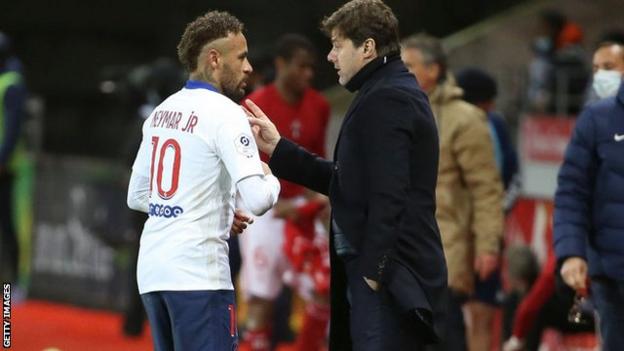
[69,47]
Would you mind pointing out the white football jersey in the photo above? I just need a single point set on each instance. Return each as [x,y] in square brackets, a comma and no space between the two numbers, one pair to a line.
[196,146]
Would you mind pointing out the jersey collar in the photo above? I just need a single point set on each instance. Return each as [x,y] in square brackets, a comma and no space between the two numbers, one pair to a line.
[196,84]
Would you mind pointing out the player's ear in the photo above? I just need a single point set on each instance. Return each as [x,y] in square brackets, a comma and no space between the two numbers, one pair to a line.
[213,58]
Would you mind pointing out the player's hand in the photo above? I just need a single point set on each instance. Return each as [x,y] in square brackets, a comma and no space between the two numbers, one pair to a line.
[241,220]
[574,273]
[264,130]
[485,265]
[373,284]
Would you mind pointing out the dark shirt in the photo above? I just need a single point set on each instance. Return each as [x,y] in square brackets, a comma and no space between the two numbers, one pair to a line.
[14,110]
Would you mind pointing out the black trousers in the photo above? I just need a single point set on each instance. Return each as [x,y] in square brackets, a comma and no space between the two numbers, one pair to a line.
[9,256]
[376,323]
[454,338]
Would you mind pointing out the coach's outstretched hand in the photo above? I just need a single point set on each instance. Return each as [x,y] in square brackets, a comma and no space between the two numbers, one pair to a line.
[264,130]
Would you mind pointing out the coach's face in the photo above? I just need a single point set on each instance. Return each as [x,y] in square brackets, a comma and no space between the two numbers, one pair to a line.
[234,69]
[347,59]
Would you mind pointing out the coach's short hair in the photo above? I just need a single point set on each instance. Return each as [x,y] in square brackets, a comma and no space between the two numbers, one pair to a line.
[359,20]
[431,49]
[203,30]
[288,44]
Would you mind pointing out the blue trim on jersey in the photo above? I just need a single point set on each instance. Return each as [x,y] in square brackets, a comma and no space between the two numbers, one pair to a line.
[196,84]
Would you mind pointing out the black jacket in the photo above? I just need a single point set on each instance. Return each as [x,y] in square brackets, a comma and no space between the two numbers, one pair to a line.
[382,190]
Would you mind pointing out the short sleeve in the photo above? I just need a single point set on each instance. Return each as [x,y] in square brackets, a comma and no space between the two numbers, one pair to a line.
[237,147]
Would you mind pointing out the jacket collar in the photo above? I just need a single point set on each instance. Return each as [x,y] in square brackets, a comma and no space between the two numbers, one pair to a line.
[446,90]
[366,72]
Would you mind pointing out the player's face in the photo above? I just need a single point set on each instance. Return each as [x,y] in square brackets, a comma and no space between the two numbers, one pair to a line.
[347,59]
[426,73]
[299,70]
[236,68]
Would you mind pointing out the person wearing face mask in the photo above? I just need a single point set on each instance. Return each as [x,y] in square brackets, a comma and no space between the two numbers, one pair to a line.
[608,69]
[558,72]
[589,201]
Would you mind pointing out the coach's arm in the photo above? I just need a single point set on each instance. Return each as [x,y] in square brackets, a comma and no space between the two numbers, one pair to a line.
[289,161]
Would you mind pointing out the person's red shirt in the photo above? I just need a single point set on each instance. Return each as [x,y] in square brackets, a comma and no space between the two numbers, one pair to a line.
[305,123]
[541,291]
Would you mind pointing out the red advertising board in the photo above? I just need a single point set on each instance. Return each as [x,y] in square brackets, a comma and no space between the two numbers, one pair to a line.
[544,138]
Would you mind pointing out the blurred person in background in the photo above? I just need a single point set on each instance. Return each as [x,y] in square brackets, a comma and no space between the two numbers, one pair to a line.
[536,302]
[301,114]
[196,157]
[263,73]
[589,201]
[13,96]
[610,36]
[469,192]
[559,71]
[480,89]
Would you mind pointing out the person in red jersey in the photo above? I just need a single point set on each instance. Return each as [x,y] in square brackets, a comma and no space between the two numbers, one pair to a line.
[285,245]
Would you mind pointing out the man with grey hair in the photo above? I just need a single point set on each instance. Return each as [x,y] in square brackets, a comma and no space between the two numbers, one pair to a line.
[469,191]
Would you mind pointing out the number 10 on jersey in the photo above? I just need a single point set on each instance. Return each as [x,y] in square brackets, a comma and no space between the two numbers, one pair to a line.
[169,149]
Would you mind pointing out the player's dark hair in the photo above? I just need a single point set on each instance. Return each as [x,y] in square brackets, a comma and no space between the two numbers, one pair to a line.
[288,44]
[359,20]
[203,30]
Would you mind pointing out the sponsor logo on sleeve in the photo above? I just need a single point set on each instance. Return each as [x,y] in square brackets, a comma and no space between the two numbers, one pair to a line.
[245,145]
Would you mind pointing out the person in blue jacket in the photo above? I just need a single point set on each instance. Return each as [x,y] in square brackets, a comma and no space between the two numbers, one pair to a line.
[589,202]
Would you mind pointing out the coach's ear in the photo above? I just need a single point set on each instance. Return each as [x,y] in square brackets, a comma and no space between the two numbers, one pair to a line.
[369,48]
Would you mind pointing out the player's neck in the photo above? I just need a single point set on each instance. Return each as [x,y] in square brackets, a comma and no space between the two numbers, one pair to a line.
[291,96]
[206,78]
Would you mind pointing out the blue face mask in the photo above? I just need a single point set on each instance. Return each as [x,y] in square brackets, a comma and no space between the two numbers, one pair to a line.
[606,83]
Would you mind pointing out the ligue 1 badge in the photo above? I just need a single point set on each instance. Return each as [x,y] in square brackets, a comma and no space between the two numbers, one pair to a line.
[244,145]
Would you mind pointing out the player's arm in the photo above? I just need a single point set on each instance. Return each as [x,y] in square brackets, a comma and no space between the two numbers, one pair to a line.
[138,187]
[259,193]
[257,187]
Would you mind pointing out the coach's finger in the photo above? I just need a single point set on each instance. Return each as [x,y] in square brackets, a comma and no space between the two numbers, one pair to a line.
[255,110]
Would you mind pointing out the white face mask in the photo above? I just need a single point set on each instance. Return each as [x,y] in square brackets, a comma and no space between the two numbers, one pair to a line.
[606,83]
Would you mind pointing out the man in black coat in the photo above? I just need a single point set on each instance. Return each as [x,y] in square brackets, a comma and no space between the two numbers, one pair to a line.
[388,269]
